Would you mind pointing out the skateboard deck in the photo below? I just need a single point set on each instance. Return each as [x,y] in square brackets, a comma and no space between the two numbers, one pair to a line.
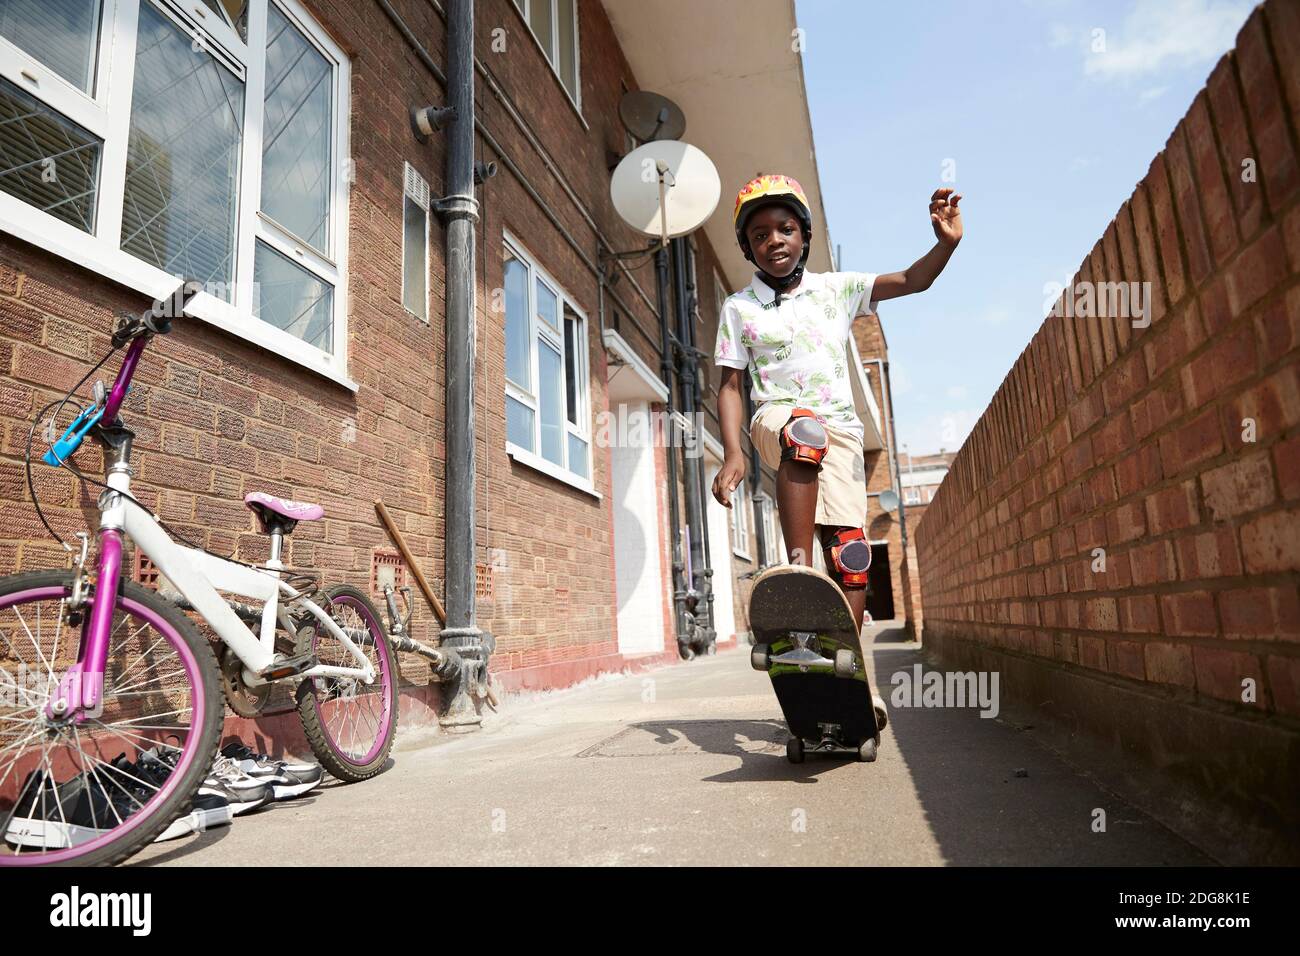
[807,642]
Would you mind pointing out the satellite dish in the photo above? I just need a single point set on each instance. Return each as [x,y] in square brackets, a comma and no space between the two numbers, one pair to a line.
[665,188]
[889,500]
[649,116]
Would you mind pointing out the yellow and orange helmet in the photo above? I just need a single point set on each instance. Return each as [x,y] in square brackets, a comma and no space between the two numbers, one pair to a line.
[763,191]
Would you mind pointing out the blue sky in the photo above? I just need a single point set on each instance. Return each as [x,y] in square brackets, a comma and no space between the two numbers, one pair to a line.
[1046,137]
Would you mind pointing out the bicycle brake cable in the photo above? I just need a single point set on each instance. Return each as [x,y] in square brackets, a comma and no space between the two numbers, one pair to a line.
[31,434]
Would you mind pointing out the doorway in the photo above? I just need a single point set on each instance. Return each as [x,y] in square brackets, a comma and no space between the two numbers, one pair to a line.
[880,585]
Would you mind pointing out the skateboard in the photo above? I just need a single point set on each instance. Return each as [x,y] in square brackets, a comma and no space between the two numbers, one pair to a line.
[807,642]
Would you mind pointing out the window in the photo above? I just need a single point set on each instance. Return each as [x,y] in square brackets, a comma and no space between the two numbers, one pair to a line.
[912,496]
[547,416]
[149,140]
[741,506]
[415,244]
[555,25]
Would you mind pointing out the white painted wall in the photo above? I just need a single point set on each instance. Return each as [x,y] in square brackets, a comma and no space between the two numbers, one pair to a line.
[720,553]
[639,581]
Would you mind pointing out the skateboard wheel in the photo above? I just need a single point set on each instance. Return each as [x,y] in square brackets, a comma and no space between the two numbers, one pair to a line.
[846,664]
[760,657]
[867,751]
[686,652]
[794,750]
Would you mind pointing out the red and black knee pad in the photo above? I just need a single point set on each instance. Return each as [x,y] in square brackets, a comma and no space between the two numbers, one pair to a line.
[804,438]
[849,554]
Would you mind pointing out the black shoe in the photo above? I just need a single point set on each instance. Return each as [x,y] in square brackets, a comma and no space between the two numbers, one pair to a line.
[54,816]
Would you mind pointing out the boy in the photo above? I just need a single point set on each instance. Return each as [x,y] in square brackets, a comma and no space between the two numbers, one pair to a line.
[789,328]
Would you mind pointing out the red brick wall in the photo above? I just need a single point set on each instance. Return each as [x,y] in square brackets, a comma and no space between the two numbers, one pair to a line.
[1131,439]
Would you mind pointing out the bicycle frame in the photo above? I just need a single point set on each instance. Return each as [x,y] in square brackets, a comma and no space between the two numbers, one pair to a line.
[198,576]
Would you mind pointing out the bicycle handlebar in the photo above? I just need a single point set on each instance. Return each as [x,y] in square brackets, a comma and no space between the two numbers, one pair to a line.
[137,330]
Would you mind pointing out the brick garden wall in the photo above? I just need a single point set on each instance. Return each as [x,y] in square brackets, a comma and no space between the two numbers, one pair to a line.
[1175,448]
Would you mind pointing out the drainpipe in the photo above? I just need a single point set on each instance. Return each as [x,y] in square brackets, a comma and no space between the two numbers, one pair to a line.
[680,614]
[700,590]
[459,211]
[693,318]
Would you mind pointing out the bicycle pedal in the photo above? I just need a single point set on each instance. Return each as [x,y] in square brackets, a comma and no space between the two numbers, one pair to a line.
[287,666]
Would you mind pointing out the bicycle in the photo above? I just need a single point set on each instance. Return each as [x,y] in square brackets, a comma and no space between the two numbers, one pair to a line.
[88,669]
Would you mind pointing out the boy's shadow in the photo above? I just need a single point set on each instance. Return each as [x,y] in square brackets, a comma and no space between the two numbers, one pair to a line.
[760,745]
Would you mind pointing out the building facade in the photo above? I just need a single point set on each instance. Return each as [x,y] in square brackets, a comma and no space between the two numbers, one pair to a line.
[267,148]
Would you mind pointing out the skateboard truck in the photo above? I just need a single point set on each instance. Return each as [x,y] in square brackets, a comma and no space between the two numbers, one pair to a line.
[803,656]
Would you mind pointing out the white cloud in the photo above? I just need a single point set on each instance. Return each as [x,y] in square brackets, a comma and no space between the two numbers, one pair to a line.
[996,316]
[957,393]
[1162,34]
[1155,92]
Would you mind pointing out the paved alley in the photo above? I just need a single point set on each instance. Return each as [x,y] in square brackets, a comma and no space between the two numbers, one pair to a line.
[686,765]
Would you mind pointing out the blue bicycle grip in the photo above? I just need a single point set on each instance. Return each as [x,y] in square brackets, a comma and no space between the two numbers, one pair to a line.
[67,445]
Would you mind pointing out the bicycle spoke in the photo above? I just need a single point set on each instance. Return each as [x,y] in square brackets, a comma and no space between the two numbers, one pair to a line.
[49,669]
[163,677]
[140,737]
[143,654]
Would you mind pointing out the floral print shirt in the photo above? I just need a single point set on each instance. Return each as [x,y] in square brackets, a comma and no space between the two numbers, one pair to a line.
[796,350]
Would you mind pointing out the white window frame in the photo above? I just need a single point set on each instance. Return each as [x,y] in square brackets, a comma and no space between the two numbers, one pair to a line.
[740,509]
[523,8]
[911,495]
[107,115]
[537,329]
[415,186]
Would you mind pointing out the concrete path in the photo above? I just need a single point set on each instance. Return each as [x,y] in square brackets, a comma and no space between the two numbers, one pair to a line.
[686,765]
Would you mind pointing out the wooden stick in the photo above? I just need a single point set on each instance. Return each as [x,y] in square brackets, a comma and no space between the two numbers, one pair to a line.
[410,563]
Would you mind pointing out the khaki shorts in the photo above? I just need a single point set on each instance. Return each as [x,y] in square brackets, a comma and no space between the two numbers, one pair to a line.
[842,482]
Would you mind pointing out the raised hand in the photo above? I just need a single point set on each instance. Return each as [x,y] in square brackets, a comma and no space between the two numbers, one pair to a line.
[945,217]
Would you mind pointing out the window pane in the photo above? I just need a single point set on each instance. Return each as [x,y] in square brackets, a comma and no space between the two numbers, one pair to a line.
[577,456]
[548,305]
[519,423]
[234,12]
[572,368]
[47,160]
[182,164]
[415,271]
[296,177]
[62,34]
[291,298]
[568,65]
[519,364]
[548,398]
[539,18]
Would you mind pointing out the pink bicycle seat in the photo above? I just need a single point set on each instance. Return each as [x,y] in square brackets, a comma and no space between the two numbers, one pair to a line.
[293,510]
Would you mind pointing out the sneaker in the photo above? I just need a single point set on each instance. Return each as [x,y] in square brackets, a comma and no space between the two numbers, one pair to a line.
[243,792]
[288,778]
[207,810]
[56,816]
[882,715]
